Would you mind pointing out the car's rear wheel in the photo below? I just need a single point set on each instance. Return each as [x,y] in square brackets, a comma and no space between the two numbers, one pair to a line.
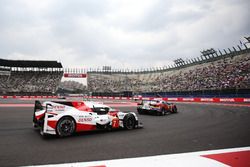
[129,121]
[66,126]
[174,110]
[35,125]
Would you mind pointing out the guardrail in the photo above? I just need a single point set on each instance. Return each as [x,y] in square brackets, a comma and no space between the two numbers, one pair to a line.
[29,97]
[173,99]
[179,99]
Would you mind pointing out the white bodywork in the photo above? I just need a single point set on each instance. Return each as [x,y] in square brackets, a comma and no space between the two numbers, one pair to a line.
[54,111]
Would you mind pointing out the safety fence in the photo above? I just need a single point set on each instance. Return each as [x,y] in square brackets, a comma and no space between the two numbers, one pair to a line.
[177,99]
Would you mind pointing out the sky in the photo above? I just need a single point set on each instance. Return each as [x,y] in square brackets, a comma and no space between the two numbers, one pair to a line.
[127,34]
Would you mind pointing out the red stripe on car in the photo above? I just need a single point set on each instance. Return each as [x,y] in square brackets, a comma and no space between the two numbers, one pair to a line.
[84,127]
[52,124]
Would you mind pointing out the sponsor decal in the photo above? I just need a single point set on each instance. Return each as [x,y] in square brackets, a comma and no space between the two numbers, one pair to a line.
[172,99]
[207,99]
[227,100]
[58,108]
[157,98]
[72,75]
[85,119]
[246,100]
[145,98]
[188,99]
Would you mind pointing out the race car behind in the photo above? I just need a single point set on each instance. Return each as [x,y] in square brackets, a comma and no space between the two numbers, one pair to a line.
[158,107]
[63,118]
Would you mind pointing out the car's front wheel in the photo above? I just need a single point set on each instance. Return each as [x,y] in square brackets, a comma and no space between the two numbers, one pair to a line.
[66,126]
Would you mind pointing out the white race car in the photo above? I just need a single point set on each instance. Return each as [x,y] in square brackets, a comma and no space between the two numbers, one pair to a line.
[63,118]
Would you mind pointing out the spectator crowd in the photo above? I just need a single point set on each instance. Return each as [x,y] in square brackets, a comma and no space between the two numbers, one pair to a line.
[72,87]
[231,72]
[30,82]
[226,73]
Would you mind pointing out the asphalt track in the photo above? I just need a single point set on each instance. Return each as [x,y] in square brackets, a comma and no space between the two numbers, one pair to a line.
[197,127]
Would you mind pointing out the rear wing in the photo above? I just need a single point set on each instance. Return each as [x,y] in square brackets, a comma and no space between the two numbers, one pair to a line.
[38,106]
[40,116]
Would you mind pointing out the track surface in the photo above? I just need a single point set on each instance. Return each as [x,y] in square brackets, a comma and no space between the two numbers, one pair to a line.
[196,127]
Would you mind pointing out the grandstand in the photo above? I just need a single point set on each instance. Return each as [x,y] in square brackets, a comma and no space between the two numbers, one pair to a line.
[21,77]
[212,74]
[69,87]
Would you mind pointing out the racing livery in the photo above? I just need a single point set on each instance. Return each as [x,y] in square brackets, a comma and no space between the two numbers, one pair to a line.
[63,118]
[159,107]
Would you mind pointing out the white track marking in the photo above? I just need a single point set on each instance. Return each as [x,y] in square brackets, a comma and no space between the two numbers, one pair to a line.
[193,159]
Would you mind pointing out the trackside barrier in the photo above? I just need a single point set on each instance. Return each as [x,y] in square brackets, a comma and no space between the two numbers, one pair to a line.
[179,99]
[28,97]
[215,100]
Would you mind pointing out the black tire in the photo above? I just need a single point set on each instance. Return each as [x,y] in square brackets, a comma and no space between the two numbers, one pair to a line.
[174,110]
[129,121]
[41,132]
[35,125]
[65,127]
[162,112]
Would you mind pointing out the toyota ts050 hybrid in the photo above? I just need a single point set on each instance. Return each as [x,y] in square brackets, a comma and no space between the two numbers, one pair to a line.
[158,107]
[63,118]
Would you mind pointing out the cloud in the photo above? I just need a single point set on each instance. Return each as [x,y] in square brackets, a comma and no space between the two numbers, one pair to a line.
[122,34]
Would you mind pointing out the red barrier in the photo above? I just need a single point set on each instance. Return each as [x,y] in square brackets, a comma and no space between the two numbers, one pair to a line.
[174,99]
[28,97]
[214,100]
